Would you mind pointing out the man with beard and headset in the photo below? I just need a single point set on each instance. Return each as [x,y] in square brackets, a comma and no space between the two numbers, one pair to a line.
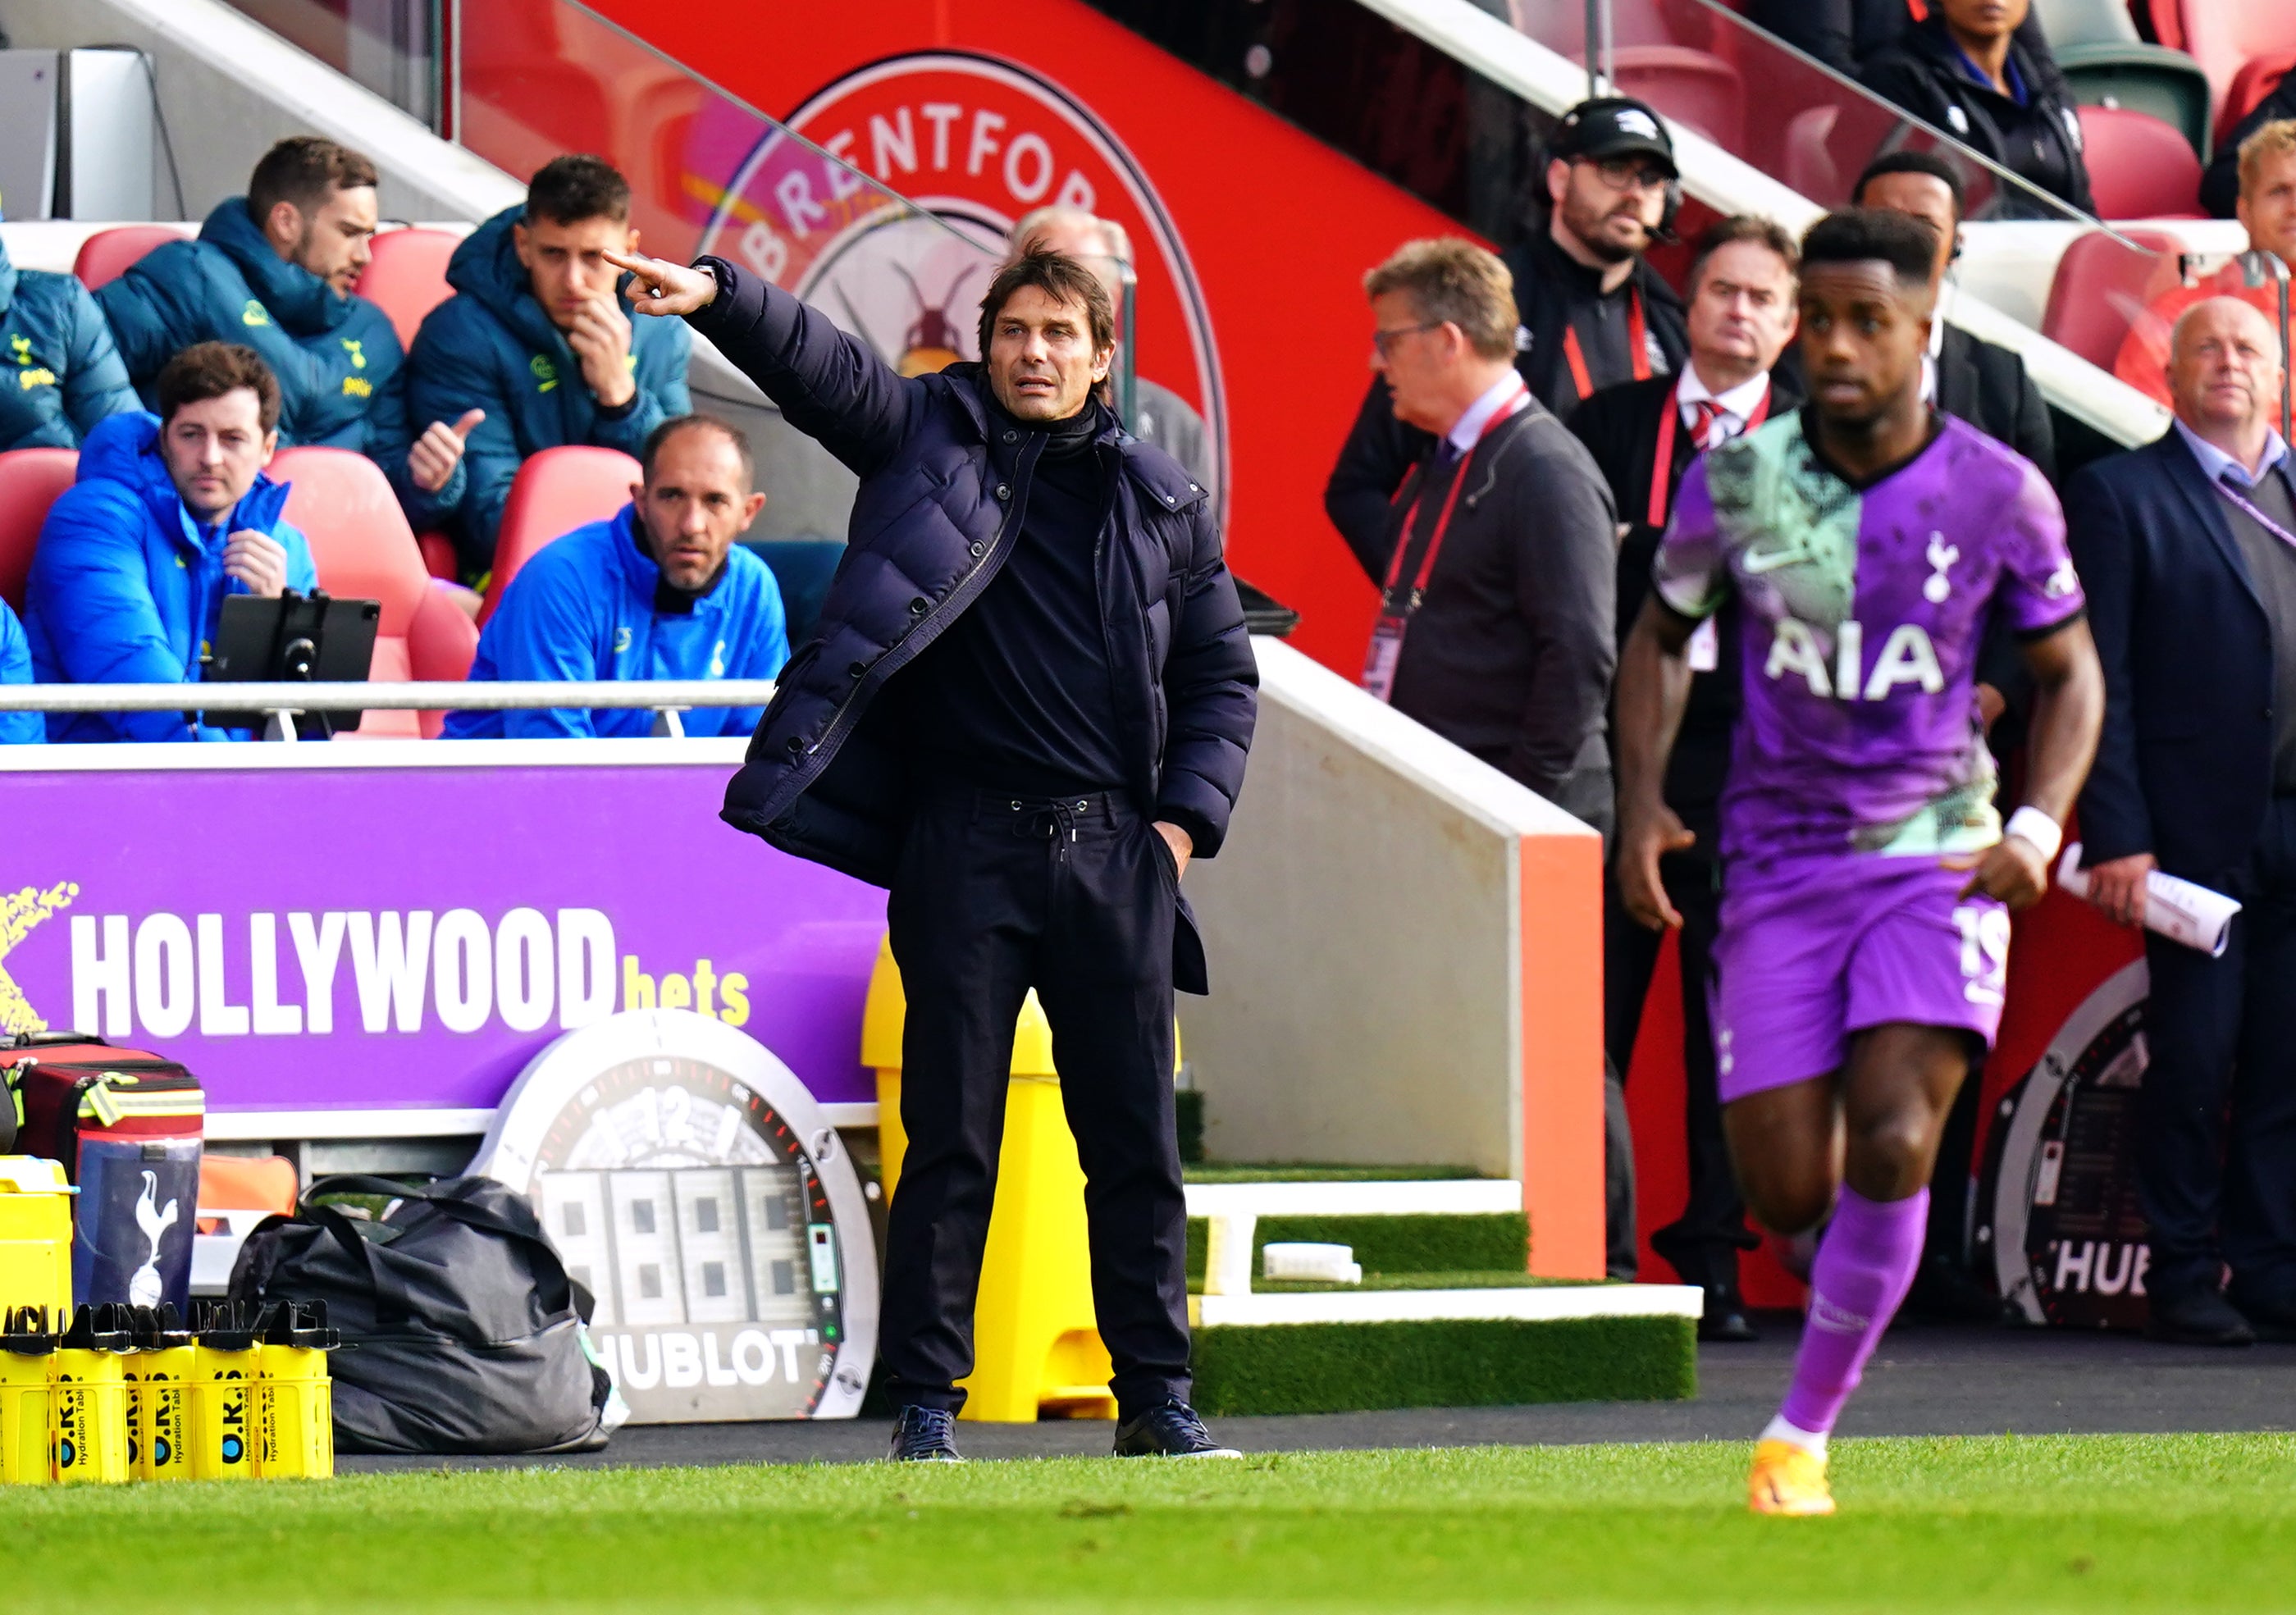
[1593,312]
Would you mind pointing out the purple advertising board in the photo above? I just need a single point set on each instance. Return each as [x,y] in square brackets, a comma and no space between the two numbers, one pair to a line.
[364,926]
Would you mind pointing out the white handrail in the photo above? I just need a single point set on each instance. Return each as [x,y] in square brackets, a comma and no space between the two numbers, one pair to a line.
[1718,177]
[480,696]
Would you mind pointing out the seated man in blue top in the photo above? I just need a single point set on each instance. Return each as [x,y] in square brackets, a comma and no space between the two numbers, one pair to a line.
[17,728]
[538,338]
[168,516]
[661,591]
[59,372]
[274,270]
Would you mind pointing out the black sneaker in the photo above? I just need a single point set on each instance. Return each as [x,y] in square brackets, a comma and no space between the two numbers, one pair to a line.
[1170,1431]
[925,1435]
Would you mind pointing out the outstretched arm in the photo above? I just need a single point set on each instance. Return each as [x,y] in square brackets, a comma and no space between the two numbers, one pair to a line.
[830,385]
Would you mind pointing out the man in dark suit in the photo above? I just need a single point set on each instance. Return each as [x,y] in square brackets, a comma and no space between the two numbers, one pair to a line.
[1593,312]
[1643,436]
[1982,382]
[2188,550]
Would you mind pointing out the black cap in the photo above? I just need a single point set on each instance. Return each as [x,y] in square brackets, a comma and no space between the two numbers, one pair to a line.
[1612,125]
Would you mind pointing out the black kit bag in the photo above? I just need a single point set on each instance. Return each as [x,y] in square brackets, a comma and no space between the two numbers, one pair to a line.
[461,1331]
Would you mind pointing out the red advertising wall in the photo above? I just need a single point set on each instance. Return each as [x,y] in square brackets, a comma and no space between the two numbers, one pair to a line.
[1278,230]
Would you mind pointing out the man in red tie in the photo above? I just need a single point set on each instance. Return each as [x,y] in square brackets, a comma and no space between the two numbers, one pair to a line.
[1643,436]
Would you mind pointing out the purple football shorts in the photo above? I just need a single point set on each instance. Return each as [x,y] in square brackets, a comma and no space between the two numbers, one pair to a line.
[1814,950]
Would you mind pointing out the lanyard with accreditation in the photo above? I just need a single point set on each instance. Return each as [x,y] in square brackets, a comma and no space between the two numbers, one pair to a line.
[1395,615]
[1574,352]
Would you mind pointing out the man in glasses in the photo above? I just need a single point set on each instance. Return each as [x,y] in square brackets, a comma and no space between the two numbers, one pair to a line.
[1593,312]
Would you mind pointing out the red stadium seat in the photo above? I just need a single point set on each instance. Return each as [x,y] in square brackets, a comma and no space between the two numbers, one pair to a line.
[2167,18]
[440,646]
[365,551]
[103,255]
[407,277]
[557,491]
[438,555]
[1692,87]
[30,479]
[2258,78]
[2223,36]
[2098,290]
[2138,167]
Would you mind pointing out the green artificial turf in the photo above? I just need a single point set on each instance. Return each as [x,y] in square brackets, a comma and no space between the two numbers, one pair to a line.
[1478,1278]
[1967,1525]
[1295,1368]
[1296,1172]
[1442,1243]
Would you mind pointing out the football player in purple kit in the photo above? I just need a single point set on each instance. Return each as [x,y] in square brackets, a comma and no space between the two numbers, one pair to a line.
[1865,542]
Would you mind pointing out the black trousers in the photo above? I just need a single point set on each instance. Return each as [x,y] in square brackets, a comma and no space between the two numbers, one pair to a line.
[1076,899]
[2217,1150]
[1703,1244]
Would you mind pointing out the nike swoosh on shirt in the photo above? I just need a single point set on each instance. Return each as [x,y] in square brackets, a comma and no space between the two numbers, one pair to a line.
[1768,561]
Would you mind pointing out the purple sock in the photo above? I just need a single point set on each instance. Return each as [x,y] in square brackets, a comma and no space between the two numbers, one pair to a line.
[1865,1266]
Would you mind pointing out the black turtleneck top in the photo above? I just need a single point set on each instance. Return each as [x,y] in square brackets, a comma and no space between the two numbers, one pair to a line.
[1018,694]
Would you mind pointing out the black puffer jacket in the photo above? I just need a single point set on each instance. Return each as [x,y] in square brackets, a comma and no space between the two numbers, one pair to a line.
[827,777]
[2040,142]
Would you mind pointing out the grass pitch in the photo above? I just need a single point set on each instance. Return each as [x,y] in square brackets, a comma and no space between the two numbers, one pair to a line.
[1975,1524]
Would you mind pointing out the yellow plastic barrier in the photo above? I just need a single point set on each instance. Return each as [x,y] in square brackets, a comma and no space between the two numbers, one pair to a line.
[1036,1347]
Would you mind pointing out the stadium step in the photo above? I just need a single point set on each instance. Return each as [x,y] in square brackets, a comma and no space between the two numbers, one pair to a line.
[1445,1314]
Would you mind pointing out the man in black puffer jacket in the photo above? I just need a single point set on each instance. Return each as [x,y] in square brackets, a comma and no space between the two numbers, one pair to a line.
[1026,704]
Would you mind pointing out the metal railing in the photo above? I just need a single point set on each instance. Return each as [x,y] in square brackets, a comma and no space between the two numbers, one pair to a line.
[282,703]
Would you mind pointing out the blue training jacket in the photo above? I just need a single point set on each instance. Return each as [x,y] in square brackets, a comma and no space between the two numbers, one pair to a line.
[59,372]
[492,346]
[584,608]
[342,374]
[17,728]
[127,589]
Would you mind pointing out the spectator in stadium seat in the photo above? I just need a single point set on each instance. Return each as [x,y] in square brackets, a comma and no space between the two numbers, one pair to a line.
[17,728]
[538,337]
[1965,70]
[2266,209]
[1158,414]
[170,516]
[1846,35]
[57,351]
[2187,553]
[1741,317]
[1982,382]
[660,591]
[2220,182]
[1594,312]
[272,270]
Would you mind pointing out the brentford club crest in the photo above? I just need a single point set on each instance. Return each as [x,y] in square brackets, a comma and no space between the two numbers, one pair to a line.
[972,144]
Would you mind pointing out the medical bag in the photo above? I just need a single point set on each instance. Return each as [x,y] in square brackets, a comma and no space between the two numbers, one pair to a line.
[126,1126]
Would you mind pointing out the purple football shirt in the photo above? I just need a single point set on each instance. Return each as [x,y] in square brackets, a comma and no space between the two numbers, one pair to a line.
[1862,611]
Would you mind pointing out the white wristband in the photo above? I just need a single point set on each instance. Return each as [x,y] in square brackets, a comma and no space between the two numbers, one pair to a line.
[2031,824]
